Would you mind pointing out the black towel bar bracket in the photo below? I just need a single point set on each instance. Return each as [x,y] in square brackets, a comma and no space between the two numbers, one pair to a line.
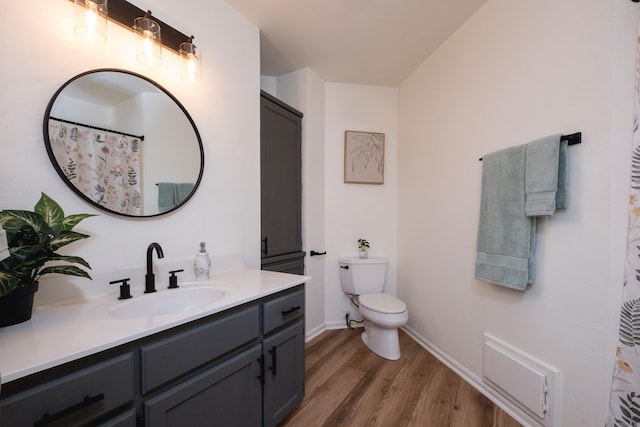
[572,139]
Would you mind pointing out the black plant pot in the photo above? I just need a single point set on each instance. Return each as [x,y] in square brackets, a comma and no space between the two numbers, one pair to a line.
[16,307]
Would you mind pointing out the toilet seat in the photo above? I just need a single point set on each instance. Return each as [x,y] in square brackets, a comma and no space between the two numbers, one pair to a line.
[382,303]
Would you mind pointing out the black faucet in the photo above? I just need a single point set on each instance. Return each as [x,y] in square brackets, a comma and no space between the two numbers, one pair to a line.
[149,278]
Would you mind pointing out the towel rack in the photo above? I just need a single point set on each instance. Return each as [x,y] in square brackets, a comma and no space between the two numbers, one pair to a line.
[572,139]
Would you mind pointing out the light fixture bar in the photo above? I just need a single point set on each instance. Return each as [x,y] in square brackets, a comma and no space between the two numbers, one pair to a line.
[124,13]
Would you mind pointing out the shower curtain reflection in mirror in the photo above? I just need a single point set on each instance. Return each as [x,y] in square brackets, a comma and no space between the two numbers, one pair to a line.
[102,165]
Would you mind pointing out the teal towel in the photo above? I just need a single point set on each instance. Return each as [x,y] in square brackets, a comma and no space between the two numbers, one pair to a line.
[518,185]
[562,194]
[182,191]
[506,236]
[171,194]
[166,196]
[546,176]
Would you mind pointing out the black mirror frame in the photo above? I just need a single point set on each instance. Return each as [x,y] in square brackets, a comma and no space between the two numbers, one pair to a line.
[47,142]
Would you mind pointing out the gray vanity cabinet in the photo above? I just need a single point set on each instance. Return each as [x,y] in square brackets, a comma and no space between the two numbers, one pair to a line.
[241,367]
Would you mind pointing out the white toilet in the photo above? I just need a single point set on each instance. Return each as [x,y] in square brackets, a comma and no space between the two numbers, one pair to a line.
[363,280]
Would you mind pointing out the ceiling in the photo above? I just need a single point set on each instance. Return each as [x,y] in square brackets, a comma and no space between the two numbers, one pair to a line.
[369,42]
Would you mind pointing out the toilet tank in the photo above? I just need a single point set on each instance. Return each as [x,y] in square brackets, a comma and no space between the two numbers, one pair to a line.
[362,276]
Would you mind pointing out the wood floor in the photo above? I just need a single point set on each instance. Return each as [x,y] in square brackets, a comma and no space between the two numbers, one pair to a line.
[348,385]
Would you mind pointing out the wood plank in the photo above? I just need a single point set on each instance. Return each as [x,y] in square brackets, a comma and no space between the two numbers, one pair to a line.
[314,410]
[397,405]
[435,404]
[331,361]
[473,409]
[349,385]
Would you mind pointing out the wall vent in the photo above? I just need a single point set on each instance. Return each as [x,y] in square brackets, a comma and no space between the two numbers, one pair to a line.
[525,381]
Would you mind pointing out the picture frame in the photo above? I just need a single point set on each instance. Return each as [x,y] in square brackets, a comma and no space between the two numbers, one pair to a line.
[363,157]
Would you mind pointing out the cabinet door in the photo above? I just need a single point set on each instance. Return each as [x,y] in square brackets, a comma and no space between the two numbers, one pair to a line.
[228,394]
[284,376]
[280,177]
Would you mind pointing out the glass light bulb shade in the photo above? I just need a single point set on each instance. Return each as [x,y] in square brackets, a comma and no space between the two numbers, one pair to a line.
[150,48]
[91,20]
[192,64]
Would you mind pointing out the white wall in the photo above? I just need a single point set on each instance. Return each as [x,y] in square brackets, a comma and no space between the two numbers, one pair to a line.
[514,72]
[304,91]
[225,211]
[358,210]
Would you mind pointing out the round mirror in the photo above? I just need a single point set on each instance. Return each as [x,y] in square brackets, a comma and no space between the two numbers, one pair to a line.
[123,143]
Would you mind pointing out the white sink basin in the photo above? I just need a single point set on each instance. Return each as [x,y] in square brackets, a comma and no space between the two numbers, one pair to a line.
[168,301]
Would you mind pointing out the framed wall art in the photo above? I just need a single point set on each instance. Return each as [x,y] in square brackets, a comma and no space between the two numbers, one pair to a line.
[363,157]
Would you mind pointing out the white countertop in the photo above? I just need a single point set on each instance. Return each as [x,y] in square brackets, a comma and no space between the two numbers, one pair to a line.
[59,332]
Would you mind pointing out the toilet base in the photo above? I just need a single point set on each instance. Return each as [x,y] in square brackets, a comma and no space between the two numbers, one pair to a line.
[382,341]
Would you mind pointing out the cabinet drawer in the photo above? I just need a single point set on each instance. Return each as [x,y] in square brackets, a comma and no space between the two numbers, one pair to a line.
[75,398]
[283,310]
[173,356]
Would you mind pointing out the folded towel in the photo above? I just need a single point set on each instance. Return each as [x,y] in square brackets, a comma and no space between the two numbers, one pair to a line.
[562,195]
[546,176]
[506,236]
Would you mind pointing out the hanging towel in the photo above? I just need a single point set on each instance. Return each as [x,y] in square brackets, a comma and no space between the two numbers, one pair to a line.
[166,196]
[182,191]
[546,176]
[518,185]
[506,236]
[171,194]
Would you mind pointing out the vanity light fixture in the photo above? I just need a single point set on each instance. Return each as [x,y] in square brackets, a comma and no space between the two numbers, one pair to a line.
[148,30]
[91,20]
[191,55]
[91,23]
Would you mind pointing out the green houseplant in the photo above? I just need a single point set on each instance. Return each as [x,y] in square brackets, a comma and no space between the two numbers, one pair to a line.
[363,245]
[32,239]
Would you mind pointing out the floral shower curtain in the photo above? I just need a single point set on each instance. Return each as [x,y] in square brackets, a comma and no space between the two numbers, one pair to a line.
[102,165]
[624,403]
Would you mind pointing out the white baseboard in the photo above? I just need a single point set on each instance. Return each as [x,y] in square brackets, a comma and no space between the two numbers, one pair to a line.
[474,380]
[309,335]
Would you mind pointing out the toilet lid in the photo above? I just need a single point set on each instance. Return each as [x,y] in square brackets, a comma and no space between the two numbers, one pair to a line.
[382,303]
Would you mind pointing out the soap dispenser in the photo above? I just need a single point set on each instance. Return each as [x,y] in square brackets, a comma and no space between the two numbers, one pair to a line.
[202,263]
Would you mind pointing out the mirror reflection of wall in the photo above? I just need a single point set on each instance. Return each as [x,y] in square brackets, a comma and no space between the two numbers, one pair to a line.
[169,159]
[134,115]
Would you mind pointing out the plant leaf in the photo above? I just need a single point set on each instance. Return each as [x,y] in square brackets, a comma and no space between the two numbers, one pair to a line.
[65,238]
[51,212]
[69,270]
[8,282]
[13,220]
[73,220]
[69,258]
